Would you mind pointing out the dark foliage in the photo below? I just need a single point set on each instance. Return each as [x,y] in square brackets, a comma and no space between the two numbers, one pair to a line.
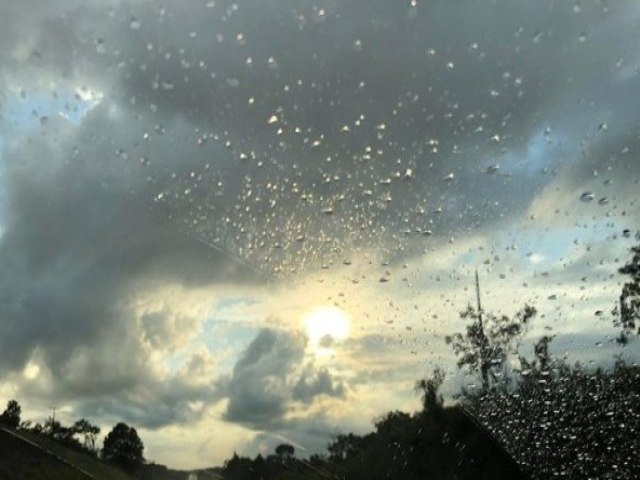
[88,432]
[627,314]
[435,443]
[564,422]
[285,451]
[11,415]
[123,447]
[488,341]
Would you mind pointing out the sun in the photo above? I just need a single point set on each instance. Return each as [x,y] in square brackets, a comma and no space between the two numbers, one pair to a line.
[326,324]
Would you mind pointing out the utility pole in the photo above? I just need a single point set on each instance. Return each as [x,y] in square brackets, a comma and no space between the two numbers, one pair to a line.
[478,299]
[484,341]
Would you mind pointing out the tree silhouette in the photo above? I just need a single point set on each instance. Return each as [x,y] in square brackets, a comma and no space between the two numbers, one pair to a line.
[489,339]
[11,415]
[429,388]
[627,314]
[285,451]
[123,447]
[88,431]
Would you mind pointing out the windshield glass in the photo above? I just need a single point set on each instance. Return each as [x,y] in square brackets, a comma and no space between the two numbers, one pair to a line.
[322,238]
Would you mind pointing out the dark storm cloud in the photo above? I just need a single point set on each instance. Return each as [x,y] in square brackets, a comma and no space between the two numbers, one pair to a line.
[416,94]
[446,103]
[176,170]
[268,376]
[312,384]
[80,237]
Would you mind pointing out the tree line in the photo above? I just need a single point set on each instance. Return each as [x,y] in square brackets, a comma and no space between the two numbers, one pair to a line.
[121,447]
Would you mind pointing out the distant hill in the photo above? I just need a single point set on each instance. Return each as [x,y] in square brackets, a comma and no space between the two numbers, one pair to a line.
[25,455]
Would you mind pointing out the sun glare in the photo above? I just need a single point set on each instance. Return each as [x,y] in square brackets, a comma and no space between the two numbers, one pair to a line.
[326,323]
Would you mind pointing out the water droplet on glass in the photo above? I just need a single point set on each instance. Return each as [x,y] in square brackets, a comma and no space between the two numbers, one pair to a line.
[100,48]
[134,23]
[587,197]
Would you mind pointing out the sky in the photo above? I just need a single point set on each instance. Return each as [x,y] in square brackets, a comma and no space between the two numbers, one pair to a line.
[232,225]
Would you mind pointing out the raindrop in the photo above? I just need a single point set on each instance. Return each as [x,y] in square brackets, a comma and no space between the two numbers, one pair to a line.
[134,23]
[587,197]
[100,48]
